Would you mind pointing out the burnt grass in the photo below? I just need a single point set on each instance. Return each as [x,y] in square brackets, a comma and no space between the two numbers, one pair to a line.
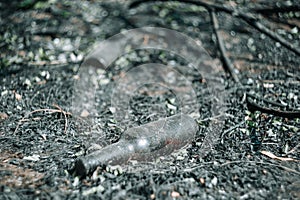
[42,46]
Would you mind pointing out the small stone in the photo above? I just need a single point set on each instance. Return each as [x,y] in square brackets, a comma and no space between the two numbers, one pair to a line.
[250,81]
[45,74]
[92,190]
[5,92]
[104,81]
[76,77]
[76,181]
[180,158]
[73,57]
[277,44]
[294,30]
[270,133]
[27,82]
[214,181]
[268,85]
[290,96]
[112,110]
[37,79]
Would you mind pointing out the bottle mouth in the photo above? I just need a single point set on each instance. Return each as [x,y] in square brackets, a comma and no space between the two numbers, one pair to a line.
[80,169]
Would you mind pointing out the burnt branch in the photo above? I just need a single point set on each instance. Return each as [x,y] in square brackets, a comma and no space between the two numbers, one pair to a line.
[250,19]
[205,4]
[277,8]
[266,100]
[262,28]
[226,61]
[252,106]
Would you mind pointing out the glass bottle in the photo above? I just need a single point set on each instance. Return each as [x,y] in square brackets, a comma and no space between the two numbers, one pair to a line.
[142,143]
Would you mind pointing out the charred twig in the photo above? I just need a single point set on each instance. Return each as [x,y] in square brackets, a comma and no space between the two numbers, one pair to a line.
[287,114]
[232,128]
[263,163]
[59,110]
[250,19]
[290,74]
[282,22]
[54,62]
[280,8]
[266,100]
[65,116]
[293,149]
[241,162]
[262,28]
[215,117]
[227,63]
[198,3]
[282,81]
[273,156]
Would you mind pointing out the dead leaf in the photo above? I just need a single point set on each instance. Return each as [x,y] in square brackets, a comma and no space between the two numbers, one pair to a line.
[3,116]
[18,96]
[271,155]
[202,181]
[84,113]
[175,194]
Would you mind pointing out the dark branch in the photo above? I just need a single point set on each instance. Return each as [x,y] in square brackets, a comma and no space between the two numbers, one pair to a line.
[287,114]
[226,61]
[256,24]
[266,100]
[250,19]
[205,4]
[275,9]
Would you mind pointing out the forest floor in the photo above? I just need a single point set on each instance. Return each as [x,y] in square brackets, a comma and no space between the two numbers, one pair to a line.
[255,154]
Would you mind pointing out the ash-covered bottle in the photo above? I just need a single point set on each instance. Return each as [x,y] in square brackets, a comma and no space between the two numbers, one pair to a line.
[142,143]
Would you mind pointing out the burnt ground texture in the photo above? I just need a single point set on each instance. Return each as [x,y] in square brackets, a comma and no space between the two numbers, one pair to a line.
[255,154]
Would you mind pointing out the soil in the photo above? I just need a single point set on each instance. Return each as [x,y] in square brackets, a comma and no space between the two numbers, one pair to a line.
[255,156]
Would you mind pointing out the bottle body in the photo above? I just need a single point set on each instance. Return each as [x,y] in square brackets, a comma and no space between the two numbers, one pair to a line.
[142,143]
